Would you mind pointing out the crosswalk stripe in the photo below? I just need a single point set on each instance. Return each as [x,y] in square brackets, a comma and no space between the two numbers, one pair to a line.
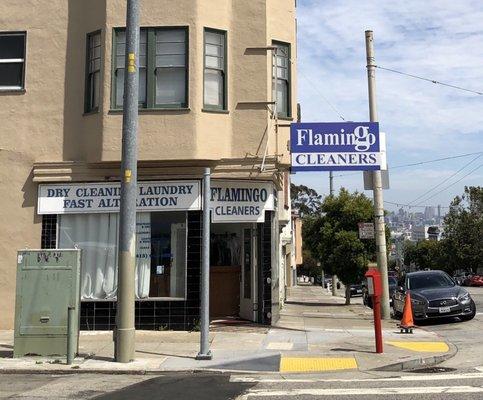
[362,391]
[406,378]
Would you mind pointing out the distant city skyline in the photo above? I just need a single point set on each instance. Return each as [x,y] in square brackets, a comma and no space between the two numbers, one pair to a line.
[440,40]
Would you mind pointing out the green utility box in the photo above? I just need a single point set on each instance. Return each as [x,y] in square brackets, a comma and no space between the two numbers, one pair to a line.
[48,283]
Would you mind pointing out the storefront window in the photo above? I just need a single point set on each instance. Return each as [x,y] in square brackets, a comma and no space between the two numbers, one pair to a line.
[160,253]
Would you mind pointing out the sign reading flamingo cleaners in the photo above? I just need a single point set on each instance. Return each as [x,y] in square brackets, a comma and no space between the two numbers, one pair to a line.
[239,201]
[344,146]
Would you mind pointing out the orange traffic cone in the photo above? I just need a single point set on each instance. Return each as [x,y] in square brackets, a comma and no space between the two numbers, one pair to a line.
[407,322]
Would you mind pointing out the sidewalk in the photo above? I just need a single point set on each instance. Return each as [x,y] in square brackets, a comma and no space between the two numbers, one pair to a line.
[316,332]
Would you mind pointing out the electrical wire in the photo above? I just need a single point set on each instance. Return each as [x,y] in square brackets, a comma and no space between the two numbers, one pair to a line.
[430,80]
[454,183]
[314,87]
[419,163]
[410,206]
[445,180]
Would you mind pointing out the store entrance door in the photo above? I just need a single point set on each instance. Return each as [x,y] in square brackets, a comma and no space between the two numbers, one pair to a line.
[248,278]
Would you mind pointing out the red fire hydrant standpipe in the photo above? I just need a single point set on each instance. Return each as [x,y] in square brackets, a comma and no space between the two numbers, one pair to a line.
[374,287]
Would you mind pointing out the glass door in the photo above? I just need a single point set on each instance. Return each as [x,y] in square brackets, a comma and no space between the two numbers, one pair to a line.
[248,275]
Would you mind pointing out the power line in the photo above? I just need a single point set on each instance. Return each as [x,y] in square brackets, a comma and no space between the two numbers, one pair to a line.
[454,183]
[430,80]
[410,206]
[445,180]
[419,163]
[314,87]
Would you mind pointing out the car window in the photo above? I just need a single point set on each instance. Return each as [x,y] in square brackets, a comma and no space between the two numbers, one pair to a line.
[428,281]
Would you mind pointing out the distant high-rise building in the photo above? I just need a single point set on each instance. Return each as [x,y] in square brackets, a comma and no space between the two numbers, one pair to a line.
[428,212]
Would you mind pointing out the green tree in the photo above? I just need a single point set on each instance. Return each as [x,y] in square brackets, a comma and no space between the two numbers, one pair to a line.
[426,254]
[304,199]
[349,260]
[463,231]
[332,236]
[409,252]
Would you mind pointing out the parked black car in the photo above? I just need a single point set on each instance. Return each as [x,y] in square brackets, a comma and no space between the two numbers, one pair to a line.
[434,294]
[367,300]
[356,290]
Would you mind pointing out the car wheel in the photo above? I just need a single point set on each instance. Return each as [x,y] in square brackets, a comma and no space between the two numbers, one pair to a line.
[473,312]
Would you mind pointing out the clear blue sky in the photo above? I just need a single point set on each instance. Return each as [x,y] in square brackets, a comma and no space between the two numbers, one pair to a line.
[438,39]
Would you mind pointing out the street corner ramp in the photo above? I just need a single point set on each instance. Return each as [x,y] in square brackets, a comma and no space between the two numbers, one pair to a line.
[316,364]
[257,364]
[422,347]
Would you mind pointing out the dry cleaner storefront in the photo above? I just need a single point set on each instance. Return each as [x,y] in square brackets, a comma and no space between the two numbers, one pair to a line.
[243,241]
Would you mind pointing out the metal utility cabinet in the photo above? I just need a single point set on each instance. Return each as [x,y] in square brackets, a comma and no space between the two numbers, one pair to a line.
[48,283]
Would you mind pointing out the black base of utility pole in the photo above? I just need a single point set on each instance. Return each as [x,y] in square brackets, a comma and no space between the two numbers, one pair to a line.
[207,356]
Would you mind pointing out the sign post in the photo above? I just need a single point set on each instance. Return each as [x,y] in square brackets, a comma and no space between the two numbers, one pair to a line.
[377,183]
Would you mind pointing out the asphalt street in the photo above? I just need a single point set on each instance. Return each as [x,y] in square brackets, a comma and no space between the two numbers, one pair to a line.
[466,336]
[205,386]
[458,378]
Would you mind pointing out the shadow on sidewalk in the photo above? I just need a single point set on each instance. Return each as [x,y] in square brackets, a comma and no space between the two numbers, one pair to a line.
[353,350]
[311,304]
[165,354]
[6,351]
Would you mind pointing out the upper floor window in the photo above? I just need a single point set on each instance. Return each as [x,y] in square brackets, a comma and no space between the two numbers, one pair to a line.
[281,79]
[215,69]
[162,68]
[93,72]
[12,60]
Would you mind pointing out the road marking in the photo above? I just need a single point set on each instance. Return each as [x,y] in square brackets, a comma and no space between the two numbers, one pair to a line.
[430,347]
[316,364]
[280,346]
[362,391]
[407,378]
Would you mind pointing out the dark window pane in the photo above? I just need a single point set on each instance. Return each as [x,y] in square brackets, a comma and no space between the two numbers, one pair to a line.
[120,61]
[11,74]
[12,46]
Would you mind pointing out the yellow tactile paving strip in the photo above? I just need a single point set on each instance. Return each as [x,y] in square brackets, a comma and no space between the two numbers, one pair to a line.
[313,364]
[423,347]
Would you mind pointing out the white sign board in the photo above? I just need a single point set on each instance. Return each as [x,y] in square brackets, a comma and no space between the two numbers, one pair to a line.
[366,230]
[241,201]
[79,198]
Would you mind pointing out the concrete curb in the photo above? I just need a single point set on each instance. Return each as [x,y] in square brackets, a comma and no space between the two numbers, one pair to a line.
[27,371]
[401,366]
[416,363]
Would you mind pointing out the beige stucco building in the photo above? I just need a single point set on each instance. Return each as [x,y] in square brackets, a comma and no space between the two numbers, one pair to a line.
[207,99]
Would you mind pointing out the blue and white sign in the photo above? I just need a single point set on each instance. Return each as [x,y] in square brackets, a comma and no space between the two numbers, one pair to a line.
[344,146]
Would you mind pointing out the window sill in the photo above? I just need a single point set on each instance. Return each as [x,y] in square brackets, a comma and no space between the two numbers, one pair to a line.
[91,112]
[143,299]
[215,111]
[152,110]
[12,91]
[285,118]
